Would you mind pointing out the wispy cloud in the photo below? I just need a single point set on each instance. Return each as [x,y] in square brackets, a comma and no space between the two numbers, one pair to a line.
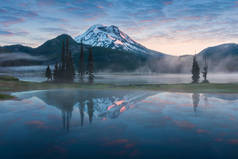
[5,33]
[163,25]
[9,20]
[10,33]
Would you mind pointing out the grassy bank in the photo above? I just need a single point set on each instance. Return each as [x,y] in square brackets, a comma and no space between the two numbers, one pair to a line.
[13,86]
[5,97]
[8,84]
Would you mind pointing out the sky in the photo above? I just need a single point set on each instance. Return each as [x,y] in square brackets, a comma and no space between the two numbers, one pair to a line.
[175,27]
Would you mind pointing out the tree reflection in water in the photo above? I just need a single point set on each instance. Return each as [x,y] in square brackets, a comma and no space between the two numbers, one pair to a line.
[196,99]
[81,110]
[89,101]
[90,110]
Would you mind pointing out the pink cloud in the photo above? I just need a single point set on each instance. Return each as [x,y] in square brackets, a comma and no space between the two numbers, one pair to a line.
[236,4]
[118,141]
[9,22]
[233,141]
[218,139]
[129,146]
[192,18]
[168,2]
[201,131]
[184,124]
[46,2]
[134,153]
[100,7]
[146,21]
[36,123]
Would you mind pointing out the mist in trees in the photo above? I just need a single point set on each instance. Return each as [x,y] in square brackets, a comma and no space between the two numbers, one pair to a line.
[65,71]
[195,71]
[81,63]
[205,70]
[90,67]
[48,73]
[55,72]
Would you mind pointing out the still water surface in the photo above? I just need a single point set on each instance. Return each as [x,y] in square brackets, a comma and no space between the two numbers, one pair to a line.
[71,123]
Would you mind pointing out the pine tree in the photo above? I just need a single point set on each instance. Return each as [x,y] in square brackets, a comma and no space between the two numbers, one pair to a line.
[195,71]
[66,59]
[61,67]
[72,71]
[70,67]
[64,72]
[69,70]
[48,73]
[81,63]
[67,65]
[205,70]
[63,58]
[56,72]
[90,67]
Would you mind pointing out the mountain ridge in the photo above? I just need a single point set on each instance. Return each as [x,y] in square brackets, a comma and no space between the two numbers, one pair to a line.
[112,37]
[223,55]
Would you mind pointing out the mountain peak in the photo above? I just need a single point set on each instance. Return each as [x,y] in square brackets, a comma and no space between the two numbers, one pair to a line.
[63,36]
[111,37]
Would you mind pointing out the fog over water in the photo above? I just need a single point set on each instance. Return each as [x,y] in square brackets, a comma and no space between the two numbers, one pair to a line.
[36,74]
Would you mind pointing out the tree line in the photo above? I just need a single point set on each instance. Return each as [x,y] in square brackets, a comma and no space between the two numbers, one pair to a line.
[65,71]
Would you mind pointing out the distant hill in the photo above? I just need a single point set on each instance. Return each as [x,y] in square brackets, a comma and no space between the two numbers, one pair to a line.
[221,51]
[16,48]
[222,58]
[50,52]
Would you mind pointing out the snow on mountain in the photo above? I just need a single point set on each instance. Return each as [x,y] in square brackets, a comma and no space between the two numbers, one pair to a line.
[111,37]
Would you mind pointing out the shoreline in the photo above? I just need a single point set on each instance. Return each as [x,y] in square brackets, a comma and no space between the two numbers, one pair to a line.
[8,86]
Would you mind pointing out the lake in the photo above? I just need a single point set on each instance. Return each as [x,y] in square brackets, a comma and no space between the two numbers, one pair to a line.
[36,74]
[72,123]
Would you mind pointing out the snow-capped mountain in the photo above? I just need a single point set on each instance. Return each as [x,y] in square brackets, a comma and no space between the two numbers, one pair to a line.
[111,37]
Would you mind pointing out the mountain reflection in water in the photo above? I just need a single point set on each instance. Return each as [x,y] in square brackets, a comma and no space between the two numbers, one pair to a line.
[107,105]
[72,123]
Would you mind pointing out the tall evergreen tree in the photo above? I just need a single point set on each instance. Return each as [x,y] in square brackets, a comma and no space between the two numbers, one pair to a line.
[56,72]
[48,73]
[72,70]
[61,67]
[63,58]
[64,72]
[205,70]
[195,71]
[66,59]
[81,64]
[69,67]
[90,67]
